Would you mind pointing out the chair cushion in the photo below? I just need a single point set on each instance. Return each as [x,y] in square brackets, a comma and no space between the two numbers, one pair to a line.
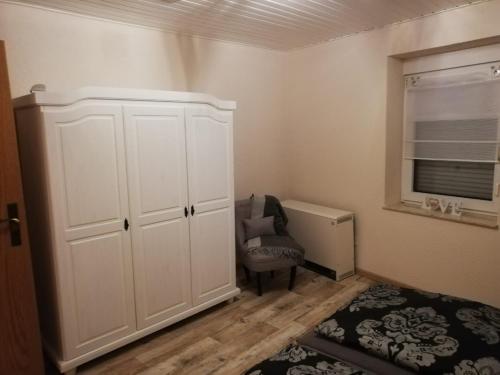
[273,252]
[269,205]
[260,226]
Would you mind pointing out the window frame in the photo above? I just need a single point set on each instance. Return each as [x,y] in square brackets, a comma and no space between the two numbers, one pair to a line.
[408,195]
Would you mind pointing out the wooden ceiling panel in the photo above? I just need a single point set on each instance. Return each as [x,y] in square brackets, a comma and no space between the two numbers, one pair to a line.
[275,24]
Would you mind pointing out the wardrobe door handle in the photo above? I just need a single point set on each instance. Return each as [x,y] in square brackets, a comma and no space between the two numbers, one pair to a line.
[185,211]
[125,224]
[192,210]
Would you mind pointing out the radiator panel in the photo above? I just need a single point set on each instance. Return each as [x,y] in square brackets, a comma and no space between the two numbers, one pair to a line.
[326,234]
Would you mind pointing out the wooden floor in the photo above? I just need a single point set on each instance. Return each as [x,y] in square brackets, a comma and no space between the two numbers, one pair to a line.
[230,338]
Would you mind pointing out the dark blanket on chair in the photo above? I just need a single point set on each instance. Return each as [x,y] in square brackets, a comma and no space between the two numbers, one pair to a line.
[269,205]
[428,333]
[300,360]
[274,208]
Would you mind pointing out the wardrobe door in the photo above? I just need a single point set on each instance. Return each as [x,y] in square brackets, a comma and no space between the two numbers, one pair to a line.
[156,159]
[90,202]
[210,168]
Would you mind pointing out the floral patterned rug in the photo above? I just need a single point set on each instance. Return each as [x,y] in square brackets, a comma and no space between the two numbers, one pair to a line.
[425,332]
[299,360]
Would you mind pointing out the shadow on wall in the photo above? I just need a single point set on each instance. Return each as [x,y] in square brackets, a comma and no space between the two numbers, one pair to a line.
[190,47]
[191,60]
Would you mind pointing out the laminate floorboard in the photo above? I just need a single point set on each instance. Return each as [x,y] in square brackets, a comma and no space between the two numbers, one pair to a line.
[229,338]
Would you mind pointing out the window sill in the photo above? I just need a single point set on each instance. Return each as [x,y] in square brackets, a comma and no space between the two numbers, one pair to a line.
[479,220]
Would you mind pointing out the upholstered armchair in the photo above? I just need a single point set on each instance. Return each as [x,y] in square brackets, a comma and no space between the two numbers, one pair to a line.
[270,251]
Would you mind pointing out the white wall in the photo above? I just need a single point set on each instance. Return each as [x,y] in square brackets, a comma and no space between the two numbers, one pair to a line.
[65,51]
[336,100]
[310,124]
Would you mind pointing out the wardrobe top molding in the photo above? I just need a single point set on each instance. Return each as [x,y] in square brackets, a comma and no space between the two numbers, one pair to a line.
[62,98]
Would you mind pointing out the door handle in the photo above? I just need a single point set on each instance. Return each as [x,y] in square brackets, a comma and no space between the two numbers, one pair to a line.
[14,224]
[13,220]
[192,210]
[125,224]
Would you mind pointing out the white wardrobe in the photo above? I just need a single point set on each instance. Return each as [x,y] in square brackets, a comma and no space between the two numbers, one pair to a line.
[130,203]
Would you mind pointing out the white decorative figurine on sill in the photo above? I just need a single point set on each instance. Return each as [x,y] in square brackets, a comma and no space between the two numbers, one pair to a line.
[456,208]
[430,203]
[443,205]
[425,204]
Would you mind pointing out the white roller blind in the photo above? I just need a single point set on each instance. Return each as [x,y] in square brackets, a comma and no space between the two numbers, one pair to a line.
[452,131]
[453,117]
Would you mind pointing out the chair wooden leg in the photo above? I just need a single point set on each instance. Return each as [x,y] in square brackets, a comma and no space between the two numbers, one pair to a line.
[293,272]
[259,284]
[272,274]
[247,274]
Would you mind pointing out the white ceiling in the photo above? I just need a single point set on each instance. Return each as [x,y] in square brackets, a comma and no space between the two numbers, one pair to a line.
[275,24]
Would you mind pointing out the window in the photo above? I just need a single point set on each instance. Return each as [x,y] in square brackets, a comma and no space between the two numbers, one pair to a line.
[452,137]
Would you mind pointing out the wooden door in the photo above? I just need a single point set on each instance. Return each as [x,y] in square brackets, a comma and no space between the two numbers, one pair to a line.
[20,345]
[211,196]
[90,202]
[156,165]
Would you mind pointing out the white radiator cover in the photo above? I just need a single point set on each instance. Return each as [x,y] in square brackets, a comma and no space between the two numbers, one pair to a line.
[326,233]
